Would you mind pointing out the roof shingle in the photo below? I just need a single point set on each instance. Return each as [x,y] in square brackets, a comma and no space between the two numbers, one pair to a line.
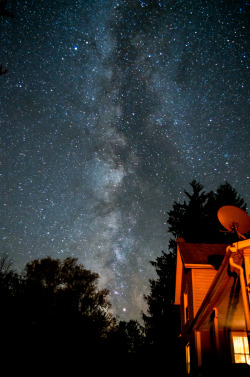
[200,253]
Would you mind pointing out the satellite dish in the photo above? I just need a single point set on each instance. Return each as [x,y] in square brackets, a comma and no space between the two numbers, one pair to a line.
[234,219]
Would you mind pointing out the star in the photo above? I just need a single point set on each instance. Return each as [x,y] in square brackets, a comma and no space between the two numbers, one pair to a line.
[108,112]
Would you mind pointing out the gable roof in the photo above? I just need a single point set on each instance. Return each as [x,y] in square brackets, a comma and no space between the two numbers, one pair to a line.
[200,253]
[216,289]
[231,304]
[196,255]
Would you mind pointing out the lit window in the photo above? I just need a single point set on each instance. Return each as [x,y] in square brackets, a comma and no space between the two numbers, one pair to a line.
[185,307]
[188,358]
[241,349]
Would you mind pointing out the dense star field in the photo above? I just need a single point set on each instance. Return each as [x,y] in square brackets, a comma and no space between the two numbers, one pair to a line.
[108,110]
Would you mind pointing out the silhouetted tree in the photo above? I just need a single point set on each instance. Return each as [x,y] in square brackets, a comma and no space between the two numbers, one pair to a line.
[128,338]
[126,344]
[9,288]
[195,220]
[54,311]
[187,219]
[57,312]
[9,282]
[162,319]
[224,195]
[134,335]
[4,12]
[64,295]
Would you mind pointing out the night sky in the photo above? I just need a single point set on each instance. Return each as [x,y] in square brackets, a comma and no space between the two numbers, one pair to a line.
[108,111]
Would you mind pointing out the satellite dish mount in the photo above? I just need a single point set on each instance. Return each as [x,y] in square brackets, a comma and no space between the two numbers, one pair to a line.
[235,220]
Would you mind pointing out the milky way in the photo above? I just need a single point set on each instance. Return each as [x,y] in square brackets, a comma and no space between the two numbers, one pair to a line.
[108,110]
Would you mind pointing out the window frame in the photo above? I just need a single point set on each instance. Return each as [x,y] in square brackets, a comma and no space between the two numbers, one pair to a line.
[188,358]
[245,354]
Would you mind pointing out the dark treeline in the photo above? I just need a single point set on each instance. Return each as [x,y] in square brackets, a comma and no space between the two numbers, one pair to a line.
[53,315]
[194,220]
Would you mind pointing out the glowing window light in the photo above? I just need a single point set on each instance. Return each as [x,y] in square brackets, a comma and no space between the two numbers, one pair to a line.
[188,358]
[241,349]
[185,307]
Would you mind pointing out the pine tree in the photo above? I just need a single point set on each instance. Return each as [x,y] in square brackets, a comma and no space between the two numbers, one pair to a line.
[187,220]
[195,220]
[162,319]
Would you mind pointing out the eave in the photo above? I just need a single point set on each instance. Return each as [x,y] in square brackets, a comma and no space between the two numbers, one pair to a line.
[180,267]
[216,289]
[197,266]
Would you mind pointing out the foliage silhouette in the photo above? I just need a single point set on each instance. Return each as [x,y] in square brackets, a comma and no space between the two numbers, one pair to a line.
[54,314]
[162,319]
[4,12]
[54,311]
[196,221]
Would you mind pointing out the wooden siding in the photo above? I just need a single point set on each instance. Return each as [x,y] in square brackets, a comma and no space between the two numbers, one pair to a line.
[202,279]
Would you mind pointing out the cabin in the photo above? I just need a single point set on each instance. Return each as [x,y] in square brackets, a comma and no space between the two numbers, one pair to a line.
[212,288]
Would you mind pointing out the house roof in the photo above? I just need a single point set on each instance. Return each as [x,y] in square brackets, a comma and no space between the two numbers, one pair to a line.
[196,255]
[232,308]
[200,253]
[220,295]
